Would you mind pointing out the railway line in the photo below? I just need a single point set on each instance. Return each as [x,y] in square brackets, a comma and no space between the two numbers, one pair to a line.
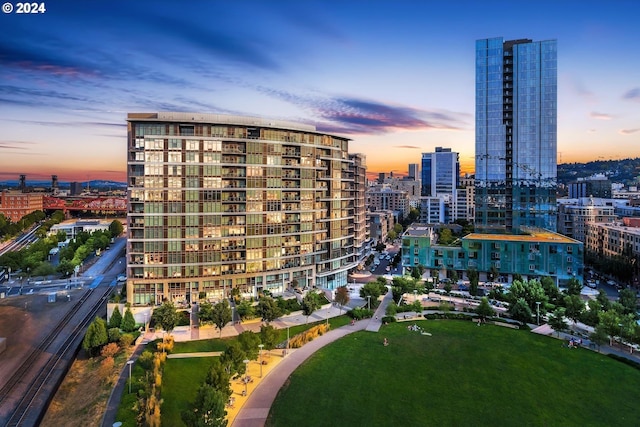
[25,396]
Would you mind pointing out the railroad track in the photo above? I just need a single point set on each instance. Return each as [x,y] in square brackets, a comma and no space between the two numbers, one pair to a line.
[31,406]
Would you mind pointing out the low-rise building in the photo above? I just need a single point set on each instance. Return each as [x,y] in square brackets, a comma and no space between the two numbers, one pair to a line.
[73,227]
[16,204]
[533,254]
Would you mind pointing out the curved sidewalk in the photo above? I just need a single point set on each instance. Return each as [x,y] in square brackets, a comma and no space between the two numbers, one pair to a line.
[255,410]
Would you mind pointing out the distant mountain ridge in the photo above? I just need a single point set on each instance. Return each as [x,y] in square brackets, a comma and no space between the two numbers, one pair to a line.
[625,171]
[97,183]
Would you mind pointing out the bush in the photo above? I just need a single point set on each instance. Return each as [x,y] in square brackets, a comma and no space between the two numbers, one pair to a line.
[308,335]
[114,334]
[183,318]
[109,350]
[126,340]
[146,360]
[389,319]
[360,313]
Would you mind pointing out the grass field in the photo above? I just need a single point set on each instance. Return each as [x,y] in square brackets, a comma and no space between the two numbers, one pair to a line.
[180,383]
[462,375]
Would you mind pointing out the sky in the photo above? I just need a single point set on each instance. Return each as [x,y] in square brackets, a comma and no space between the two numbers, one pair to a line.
[397,77]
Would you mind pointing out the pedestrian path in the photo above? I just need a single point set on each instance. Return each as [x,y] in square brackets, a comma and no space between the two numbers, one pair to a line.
[197,354]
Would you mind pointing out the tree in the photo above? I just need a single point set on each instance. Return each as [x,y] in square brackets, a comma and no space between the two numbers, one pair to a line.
[603,299]
[249,342]
[95,337]
[627,328]
[550,289]
[208,409]
[598,336]
[574,307]
[556,320]
[609,322]
[269,309]
[245,309]
[166,316]
[484,309]
[574,286]
[129,323]
[520,311]
[474,278]
[116,228]
[205,312]
[392,235]
[65,268]
[233,358]
[269,336]
[116,318]
[590,314]
[342,297]
[310,303]
[218,378]
[372,290]
[447,287]
[446,237]
[627,298]
[221,314]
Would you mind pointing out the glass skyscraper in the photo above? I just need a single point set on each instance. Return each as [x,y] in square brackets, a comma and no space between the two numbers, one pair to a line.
[516,134]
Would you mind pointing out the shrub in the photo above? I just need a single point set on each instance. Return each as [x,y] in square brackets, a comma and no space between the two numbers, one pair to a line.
[146,360]
[308,335]
[388,319]
[109,350]
[126,340]
[114,334]
[106,369]
[360,313]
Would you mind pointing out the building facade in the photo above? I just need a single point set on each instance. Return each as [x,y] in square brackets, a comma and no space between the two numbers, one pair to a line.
[16,204]
[385,198]
[224,202]
[440,172]
[516,134]
[535,254]
[574,215]
[380,223]
[413,171]
[360,231]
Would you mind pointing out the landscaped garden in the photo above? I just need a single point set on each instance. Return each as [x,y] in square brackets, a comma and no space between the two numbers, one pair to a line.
[461,374]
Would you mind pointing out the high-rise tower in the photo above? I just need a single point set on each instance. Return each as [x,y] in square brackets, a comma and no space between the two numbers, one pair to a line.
[516,134]
[230,202]
[440,172]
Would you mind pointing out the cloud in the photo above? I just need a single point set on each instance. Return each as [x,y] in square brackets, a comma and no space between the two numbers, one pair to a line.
[347,115]
[67,124]
[632,94]
[26,57]
[628,131]
[412,147]
[600,116]
[16,145]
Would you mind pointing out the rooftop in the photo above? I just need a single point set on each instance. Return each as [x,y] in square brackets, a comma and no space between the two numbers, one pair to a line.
[533,236]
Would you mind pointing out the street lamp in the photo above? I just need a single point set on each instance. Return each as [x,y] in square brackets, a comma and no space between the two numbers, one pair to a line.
[260,356]
[368,302]
[287,351]
[130,362]
[246,375]
[538,310]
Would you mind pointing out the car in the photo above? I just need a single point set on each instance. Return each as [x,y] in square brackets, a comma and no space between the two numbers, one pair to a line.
[121,278]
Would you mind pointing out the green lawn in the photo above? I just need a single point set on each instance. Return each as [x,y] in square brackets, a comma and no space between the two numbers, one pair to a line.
[180,383]
[462,375]
[200,346]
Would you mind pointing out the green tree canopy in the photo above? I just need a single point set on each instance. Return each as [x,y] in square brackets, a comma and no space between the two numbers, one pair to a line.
[556,320]
[116,318]
[221,314]
[95,337]
[627,298]
[574,286]
[166,316]
[310,303]
[269,336]
[249,342]
[205,313]
[520,311]
[116,228]
[269,309]
[233,358]
[574,307]
[484,309]
[610,323]
[129,322]
[208,409]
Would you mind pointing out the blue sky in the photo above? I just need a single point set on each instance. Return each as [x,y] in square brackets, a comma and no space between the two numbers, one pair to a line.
[395,76]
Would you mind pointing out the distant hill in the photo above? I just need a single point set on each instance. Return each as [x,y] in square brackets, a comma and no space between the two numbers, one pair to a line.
[102,184]
[626,171]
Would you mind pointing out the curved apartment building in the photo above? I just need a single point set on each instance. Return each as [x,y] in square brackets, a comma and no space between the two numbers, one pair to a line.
[220,202]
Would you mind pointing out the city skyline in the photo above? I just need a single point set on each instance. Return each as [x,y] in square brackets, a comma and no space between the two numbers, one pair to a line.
[397,78]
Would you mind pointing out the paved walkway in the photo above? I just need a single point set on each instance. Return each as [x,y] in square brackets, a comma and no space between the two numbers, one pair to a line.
[255,410]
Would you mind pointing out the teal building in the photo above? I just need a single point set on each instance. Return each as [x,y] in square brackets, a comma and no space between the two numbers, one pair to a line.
[533,254]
